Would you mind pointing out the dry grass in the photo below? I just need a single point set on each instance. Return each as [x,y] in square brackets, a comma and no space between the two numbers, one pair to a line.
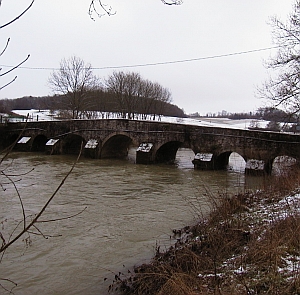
[250,244]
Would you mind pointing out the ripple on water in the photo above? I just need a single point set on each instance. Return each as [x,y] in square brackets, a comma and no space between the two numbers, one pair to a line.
[129,208]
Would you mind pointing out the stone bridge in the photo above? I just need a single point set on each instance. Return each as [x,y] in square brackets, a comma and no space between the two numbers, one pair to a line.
[156,142]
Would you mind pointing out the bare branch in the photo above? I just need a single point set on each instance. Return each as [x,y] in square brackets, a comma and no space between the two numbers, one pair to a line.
[172,2]
[15,67]
[13,80]
[3,239]
[19,196]
[98,5]
[104,7]
[10,281]
[10,148]
[40,233]
[5,47]
[19,174]
[16,18]
[283,89]
[35,219]
[62,218]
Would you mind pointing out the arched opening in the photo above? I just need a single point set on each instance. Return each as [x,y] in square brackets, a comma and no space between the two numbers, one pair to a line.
[116,147]
[230,161]
[184,158]
[39,143]
[236,163]
[222,161]
[72,144]
[167,152]
[283,165]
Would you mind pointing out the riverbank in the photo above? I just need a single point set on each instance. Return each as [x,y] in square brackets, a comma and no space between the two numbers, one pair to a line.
[249,244]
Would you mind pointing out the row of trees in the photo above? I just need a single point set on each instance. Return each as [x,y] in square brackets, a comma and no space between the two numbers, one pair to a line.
[79,93]
[264,113]
[129,88]
[102,102]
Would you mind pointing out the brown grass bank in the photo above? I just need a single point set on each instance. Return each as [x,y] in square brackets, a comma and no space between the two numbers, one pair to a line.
[249,244]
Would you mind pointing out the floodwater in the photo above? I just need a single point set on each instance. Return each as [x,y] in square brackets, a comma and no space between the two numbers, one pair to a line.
[126,209]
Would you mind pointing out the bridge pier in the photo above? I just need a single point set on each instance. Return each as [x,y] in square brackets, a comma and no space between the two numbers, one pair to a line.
[24,144]
[91,149]
[258,167]
[53,147]
[211,161]
[204,161]
[145,153]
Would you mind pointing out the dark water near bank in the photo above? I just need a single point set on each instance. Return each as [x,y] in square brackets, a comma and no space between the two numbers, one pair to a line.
[129,208]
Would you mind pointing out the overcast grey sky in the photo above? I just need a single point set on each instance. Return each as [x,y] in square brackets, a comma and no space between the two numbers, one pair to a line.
[147,32]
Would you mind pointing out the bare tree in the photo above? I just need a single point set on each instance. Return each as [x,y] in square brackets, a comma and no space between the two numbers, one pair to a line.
[165,98]
[126,88]
[150,96]
[155,98]
[283,87]
[134,94]
[75,80]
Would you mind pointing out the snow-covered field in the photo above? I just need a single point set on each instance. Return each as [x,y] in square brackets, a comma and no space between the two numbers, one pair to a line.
[45,115]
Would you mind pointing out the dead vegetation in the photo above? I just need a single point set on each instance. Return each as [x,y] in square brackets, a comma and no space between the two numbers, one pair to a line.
[250,244]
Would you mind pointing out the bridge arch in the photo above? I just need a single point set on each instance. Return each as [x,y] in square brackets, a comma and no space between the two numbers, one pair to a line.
[221,161]
[116,145]
[71,144]
[166,152]
[39,143]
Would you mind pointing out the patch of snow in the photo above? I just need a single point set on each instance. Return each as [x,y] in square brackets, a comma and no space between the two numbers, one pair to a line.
[91,144]
[203,157]
[145,147]
[24,139]
[35,115]
[52,142]
[47,115]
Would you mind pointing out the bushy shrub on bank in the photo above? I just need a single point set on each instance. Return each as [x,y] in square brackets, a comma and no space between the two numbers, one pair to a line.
[249,244]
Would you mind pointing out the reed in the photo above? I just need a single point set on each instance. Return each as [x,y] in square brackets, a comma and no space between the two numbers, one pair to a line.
[249,244]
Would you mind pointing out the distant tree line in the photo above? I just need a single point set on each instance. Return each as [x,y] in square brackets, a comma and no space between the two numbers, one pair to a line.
[266,113]
[79,94]
[279,120]
[101,100]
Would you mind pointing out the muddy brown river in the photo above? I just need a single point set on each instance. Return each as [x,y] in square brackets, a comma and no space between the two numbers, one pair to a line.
[129,209]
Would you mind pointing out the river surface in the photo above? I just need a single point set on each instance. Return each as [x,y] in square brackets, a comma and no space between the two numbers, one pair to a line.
[129,209]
